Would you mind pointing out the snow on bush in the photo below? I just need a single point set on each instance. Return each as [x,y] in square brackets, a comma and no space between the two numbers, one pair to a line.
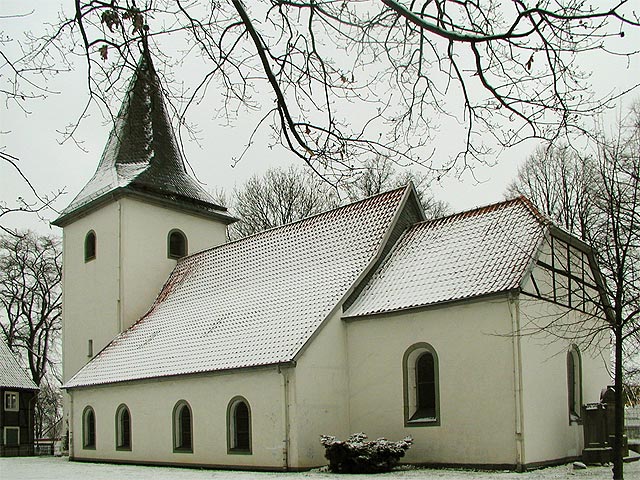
[357,455]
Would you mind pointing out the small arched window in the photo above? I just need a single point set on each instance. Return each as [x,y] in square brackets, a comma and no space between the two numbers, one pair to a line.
[176,244]
[182,428]
[123,428]
[421,386]
[574,383]
[88,428]
[90,246]
[239,426]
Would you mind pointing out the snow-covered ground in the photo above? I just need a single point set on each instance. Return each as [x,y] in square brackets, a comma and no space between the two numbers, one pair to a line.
[53,468]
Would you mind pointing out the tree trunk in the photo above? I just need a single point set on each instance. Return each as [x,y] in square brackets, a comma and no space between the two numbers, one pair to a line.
[618,473]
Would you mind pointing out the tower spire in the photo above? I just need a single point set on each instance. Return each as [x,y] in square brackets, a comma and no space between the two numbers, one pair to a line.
[142,156]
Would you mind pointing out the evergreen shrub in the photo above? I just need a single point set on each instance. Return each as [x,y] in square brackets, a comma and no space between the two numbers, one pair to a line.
[357,455]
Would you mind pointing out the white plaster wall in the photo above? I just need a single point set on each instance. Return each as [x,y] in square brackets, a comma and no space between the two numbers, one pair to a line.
[107,295]
[90,289]
[145,265]
[548,432]
[477,399]
[151,406]
[319,394]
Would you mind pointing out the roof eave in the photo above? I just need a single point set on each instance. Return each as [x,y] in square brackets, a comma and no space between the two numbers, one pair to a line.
[194,207]
[441,303]
[278,365]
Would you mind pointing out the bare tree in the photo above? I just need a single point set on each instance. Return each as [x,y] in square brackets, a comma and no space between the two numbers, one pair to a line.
[502,70]
[282,196]
[559,181]
[615,233]
[31,298]
[598,198]
[379,174]
[48,409]
[32,202]
[279,197]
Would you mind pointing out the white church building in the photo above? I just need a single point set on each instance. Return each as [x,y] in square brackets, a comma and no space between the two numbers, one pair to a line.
[181,348]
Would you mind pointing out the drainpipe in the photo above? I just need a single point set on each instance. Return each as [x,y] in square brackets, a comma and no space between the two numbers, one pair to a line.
[514,310]
[285,384]
[119,270]
[70,426]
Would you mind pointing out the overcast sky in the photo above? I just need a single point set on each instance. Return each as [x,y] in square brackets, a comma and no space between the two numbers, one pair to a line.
[51,165]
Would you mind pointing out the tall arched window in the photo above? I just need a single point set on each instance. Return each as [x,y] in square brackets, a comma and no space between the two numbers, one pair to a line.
[182,427]
[176,244]
[421,386]
[123,428]
[90,246]
[574,383]
[88,428]
[239,426]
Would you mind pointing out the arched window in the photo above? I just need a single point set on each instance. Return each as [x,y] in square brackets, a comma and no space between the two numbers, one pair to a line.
[176,244]
[123,428]
[239,426]
[182,428]
[574,383]
[90,246]
[88,428]
[421,386]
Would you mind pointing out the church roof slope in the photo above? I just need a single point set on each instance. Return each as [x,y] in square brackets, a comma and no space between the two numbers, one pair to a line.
[11,375]
[470,254]
[252,302]
[142,155]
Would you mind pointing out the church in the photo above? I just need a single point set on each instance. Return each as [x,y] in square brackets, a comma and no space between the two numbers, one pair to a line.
[181,348]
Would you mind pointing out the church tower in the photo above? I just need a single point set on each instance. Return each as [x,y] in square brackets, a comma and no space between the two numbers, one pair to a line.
[125,230]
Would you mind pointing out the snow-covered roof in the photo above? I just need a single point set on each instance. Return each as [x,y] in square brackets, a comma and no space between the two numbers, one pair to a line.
[256,301]
[142,157]
[11,375]
[469,254]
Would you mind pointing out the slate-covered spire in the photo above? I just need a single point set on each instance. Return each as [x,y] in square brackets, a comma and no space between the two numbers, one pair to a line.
[142,156]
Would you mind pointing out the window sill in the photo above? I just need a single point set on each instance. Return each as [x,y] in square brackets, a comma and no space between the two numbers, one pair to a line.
[183,450]
[422,422]
[88,447]
[238,451]
[123,449]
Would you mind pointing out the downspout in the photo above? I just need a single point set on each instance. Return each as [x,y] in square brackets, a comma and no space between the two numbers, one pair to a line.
[287,425]
[118,271]
[514,310]
[70,426]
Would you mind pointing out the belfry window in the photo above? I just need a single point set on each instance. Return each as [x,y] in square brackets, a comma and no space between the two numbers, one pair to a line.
[90,246]
[176,244]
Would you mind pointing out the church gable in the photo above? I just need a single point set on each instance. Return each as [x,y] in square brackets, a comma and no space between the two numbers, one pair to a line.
[565,273]
[252,302]
[466,255]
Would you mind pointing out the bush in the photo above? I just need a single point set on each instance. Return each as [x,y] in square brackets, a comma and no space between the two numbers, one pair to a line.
[357,455]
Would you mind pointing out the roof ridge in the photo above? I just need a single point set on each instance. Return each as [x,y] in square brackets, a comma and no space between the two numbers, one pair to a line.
[490,207]
[305,219]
